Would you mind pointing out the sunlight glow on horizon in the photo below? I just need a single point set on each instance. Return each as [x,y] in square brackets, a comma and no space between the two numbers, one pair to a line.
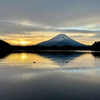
[24,42]
[19,42]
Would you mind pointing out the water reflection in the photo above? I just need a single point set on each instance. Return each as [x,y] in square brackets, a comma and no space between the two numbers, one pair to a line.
[96,54]
[50,78]
[43,60]
[23,56]
[47,60]
[4,54]
[50,59]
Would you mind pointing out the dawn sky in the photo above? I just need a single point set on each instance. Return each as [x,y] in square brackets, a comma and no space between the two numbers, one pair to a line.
[28,22]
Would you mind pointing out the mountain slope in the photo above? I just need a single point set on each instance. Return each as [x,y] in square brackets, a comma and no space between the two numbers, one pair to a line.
[61,40]
[4,45]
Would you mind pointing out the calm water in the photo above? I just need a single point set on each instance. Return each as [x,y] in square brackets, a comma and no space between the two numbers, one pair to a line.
[50,77]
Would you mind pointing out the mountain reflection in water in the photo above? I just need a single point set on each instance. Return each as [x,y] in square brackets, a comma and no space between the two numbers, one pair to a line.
[61,58]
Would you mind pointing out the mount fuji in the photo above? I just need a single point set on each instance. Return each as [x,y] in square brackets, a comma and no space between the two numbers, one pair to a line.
[60,40]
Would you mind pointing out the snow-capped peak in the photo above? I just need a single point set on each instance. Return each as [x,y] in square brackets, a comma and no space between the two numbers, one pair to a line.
[60,37]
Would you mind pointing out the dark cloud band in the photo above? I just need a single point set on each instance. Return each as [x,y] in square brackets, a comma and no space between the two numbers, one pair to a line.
[17,28]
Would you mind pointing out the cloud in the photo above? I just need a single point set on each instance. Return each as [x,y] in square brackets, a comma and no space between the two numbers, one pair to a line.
[17,29]
[52,13]
[94,27]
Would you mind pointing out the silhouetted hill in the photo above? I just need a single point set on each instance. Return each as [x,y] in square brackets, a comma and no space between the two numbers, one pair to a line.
[4,45]
[96,45]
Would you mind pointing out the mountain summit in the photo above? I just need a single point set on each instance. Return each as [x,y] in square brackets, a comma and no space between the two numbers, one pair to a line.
[61,40]
[60,37]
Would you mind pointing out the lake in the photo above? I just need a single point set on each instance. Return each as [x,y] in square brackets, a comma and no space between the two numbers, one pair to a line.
[50,75]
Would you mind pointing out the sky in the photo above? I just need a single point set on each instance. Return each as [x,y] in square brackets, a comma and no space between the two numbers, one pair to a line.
[28,22]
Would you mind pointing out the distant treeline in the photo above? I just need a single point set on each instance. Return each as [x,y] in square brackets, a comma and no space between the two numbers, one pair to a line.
[49,48]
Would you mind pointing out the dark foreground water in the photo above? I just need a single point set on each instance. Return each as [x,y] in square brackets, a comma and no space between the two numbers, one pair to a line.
[50,77]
